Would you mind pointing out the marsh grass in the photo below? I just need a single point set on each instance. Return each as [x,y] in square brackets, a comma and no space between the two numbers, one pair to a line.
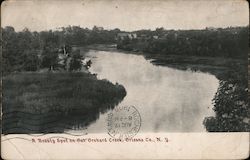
[52,102]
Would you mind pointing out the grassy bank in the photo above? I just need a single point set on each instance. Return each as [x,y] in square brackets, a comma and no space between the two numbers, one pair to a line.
[53,102]
[217,66]
[100,47]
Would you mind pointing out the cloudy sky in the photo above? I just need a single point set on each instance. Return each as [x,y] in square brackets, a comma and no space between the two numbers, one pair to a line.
[124,14]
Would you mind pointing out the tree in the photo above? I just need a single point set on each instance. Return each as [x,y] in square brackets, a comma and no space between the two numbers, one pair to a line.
[159,31]
[49,38]
[10,50]
[31,60]
[68,48]
[76,61]
[49,58]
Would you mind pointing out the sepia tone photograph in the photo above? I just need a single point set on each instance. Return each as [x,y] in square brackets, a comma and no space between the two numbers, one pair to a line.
[122,68]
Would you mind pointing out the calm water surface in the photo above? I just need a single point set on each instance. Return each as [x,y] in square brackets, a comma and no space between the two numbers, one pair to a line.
[168,100]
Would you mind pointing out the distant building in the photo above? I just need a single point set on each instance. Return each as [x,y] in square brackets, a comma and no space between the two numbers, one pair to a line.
[132,36]
[99,28]
[211,28]
[175,35]
[155,37]
[144,37]
[165,35]
[123,35]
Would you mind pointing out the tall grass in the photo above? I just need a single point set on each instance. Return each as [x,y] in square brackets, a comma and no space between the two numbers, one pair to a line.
[34,101]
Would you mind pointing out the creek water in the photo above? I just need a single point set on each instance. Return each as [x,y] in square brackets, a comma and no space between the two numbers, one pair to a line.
[168,99]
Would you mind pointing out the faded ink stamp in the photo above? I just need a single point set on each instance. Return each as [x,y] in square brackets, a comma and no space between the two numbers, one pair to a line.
[123,122]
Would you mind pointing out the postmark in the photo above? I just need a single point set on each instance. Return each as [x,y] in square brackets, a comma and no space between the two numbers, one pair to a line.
[123,122]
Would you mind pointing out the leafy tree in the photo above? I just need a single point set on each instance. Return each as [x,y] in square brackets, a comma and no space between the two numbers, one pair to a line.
[75,63]
[68,48]
[159,31]
[49,38]
[50,58]
[31,60]
[231,103]
[10,49]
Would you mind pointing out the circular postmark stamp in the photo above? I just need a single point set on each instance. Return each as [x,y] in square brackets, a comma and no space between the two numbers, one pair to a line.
[123,122]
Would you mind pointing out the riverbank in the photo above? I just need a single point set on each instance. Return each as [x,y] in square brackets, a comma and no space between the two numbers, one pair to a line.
[214,65]
[52,102]
[99,47]
[217,66]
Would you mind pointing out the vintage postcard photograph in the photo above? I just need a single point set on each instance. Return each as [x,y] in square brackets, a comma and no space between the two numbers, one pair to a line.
[124,79]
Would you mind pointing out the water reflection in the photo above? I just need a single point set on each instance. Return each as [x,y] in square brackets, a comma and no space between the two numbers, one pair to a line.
[168,99]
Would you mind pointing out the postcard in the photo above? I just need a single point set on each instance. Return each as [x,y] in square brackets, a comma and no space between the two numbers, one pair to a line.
[125,79]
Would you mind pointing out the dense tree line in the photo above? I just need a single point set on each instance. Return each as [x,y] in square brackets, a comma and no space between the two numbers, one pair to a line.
[227,42]
[30,51]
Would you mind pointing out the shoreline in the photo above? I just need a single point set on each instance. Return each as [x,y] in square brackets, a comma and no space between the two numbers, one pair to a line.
[216,66]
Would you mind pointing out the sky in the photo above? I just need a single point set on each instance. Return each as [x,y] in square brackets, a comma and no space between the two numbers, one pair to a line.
[128,15]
